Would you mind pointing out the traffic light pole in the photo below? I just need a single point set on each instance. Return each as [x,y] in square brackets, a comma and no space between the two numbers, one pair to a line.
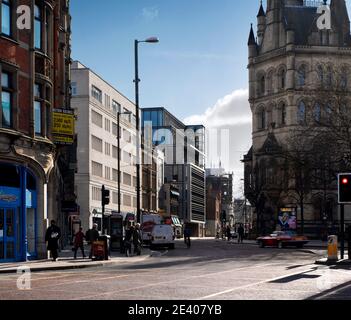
[103,209]
[342,234]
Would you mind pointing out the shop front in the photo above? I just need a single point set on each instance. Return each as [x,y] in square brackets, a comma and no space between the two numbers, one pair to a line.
[18,213]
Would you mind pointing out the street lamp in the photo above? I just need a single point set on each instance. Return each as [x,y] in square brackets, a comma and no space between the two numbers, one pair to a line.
[119,156]
[136,81]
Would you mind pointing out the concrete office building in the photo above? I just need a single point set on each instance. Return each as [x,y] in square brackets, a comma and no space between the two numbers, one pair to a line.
[96,103]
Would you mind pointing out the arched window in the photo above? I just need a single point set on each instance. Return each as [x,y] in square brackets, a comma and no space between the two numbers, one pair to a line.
[320,74]
[301,113]
[328,112]
[269,81]
[282,78]
[282,114]
[343,79]
[301,76]
[262,85]
[317,112]
[261,119]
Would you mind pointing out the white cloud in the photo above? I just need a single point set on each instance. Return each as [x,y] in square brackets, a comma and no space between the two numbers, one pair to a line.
[150,13]
[231,110]
[228,124]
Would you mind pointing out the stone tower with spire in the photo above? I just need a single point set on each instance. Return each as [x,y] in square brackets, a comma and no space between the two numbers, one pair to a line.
[284,58]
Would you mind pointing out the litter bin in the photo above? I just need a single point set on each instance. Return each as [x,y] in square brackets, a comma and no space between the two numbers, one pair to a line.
[99,250]
[106,240]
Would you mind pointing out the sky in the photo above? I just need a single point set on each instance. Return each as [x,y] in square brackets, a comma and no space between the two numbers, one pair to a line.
[198,70]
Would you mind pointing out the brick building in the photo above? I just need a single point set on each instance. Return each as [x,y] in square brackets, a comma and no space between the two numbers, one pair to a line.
[35,68]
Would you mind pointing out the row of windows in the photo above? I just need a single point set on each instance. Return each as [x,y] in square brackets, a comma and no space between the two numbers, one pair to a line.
[41,105]
[326,76]
[116,107]
[97,145]
[97,170]
[317,113]
[97,119]
[126,199]
[41,24]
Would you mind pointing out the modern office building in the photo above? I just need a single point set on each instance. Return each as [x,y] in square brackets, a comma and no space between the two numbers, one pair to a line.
[34,171]
[184,149]
[97,104]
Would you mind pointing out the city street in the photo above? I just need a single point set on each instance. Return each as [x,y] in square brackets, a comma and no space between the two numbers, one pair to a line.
[210,270]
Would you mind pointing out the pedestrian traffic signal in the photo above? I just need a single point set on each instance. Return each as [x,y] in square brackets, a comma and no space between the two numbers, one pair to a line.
[345,188]
[105,195]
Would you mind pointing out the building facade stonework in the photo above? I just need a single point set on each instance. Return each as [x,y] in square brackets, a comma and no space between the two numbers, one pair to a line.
[34,67]
[288,58]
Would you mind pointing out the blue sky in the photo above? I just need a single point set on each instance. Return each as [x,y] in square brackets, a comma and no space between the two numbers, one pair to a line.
[201,57]
[198,71]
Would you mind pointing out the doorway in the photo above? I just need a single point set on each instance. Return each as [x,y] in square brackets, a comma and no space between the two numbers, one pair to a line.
[8,234]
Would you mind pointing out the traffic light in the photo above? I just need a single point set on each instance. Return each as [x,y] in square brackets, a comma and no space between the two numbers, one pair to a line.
[345,188]
[105,196]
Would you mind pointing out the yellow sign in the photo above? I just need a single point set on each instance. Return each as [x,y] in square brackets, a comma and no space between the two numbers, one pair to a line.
[63,126]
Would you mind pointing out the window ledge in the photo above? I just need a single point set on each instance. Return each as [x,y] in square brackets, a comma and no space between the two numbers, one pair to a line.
[8,38]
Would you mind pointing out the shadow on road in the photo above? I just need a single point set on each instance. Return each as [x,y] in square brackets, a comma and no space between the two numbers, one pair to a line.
[341,292]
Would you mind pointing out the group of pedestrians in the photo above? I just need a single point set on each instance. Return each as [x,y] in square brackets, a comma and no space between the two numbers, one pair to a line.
[53,235]
[133,237]
[241,233]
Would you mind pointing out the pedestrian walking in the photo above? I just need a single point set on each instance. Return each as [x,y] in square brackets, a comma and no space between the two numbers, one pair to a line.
[241,233]
[228,232]
[79,242]
[52,237]
[91,236]
[129,240]
[187,235]
[137,239]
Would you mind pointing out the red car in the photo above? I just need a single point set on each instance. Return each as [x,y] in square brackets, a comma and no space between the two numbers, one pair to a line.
[282,239]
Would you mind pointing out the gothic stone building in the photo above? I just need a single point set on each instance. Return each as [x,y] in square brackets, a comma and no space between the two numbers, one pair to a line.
[283,58]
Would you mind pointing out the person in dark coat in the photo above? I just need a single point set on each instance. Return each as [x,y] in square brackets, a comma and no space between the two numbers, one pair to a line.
[79,242]
[137,239]
[129,240]
[241,233]
[91,236]
[52,237]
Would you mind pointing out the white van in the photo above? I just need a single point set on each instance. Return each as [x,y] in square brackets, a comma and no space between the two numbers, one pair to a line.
[147,224]
[162,235]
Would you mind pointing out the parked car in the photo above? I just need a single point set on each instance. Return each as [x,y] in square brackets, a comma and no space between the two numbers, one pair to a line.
[282,239]
[162,236]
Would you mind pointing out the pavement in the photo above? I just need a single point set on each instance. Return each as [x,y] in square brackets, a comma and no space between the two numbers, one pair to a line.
[66,261]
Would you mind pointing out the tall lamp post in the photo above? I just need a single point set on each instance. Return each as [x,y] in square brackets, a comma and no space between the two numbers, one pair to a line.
[136,81]
[119,156]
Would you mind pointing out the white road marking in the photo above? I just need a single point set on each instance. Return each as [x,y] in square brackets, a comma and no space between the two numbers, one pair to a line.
[177,280]
[253,284]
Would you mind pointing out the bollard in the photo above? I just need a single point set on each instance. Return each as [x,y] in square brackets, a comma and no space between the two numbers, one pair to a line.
[333,253]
